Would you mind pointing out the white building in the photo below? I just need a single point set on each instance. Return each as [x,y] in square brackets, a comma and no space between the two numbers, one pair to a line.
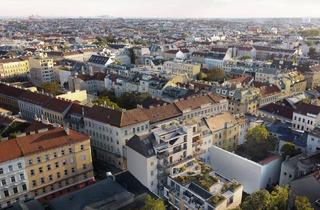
[252,175]
[13,184]
[313,141]
[305,117]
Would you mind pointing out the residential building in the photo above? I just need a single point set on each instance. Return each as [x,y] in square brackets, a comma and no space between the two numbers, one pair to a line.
[13,177]
[16,67]
[202,189]
[177,68]
[225,130]
[41,70]
[99,62]
[313,141]
[305,117]
[298,166]
[56,160]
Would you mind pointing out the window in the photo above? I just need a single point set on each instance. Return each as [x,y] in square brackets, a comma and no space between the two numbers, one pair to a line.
[57,164]
[6,193]
[10,168]
[81,147]
[24,187]
[15,190]
[3,182]
[39,159]
[49,167]
[72,170]
[84,166]
[21,176]
[32,172]
[70,150]
[40,170]
[47,157]
[50,177]
[58,175]
[1,170]
[34,183]
[62,152]
[65,172]
[19,165]
[42,180]
[30,162]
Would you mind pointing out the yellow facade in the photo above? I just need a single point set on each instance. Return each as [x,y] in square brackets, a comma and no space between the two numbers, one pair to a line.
[55,169]
[14,68]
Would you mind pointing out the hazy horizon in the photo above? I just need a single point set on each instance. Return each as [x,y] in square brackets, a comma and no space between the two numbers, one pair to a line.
[162,9]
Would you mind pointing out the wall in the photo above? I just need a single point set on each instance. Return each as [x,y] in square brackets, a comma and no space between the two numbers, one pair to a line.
[251,175]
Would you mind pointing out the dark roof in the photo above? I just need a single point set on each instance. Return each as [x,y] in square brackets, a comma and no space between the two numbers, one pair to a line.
[97,192]
[26,205]
[199,191]
[130,183]
[36,126]
[116,117]
[98,59]
[142,144]
[304,108]
[277,109]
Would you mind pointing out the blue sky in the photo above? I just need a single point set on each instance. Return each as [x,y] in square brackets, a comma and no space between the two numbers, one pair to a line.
[162,8]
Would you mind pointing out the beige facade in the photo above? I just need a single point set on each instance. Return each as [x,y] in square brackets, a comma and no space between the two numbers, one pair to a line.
[13,67]
[52,170]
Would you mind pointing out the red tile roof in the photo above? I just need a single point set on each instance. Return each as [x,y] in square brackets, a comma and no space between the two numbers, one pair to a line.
[50,139]
[9,150]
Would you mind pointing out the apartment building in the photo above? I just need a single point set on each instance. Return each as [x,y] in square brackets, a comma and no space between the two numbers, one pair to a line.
[201,188]
[56,161]
[13,178]
[44,165]
[167,149]
[305,117]
[313,141]
[41,70]
[16,67]
[225,130]
[177,68]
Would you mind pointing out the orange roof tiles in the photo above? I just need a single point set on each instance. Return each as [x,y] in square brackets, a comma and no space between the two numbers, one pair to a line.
[9,150]
[31,144]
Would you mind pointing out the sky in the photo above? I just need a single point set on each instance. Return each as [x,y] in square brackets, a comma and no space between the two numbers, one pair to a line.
[162,8]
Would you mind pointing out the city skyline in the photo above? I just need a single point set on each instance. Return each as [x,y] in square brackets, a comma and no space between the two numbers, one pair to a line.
[163,9]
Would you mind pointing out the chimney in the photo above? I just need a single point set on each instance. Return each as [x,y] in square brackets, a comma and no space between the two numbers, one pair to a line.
[67,130]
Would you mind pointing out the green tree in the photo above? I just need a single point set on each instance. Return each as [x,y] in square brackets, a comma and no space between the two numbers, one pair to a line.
[246,57]
[216,75]
[201,76]
[279,198]
[105,101]
[259,200]
[153,204]
[289,149]
[302,203]
[51,87]
[257,134]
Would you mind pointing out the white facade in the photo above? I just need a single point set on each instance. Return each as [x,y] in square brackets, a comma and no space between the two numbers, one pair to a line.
[13,184]
[108,142]
[253,176]
[304,122]
[143,168]
[313,141]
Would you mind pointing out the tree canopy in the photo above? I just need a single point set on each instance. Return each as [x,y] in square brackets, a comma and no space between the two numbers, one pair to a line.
[105,101]
[278,199]
[289,149]
[51,87]
[258,144]
[153,204]
[302,203]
